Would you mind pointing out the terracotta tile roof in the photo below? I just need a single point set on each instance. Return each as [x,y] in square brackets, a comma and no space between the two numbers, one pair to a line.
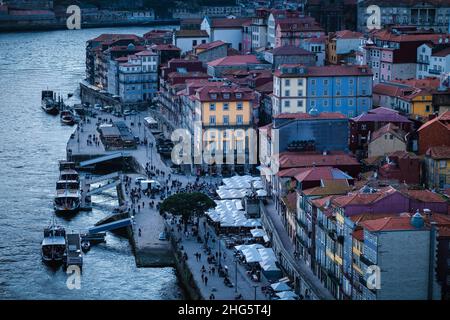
[381,115]
[348,34]
[388,89]
[165,47]
[191,34]
[441,119]
[114,37]
[265,88]
[439,152]
[359,198]
[235,60]
[329,187]
[210,45]
[431,82]
[304,159]
[321,173]
[423,195]
[322,202]
[205,94]
[389,128]
[302,24]
[388,224]
[225,23]
[442,53]
[307,116]
[290,51]
[386,35]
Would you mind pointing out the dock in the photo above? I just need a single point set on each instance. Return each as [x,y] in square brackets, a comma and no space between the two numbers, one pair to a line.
[73,250]
[115,166]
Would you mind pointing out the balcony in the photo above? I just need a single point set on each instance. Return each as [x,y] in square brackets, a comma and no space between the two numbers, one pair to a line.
[434,71]
[365,260]
[421,61]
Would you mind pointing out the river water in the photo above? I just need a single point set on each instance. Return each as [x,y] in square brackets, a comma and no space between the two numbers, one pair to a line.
[31,143]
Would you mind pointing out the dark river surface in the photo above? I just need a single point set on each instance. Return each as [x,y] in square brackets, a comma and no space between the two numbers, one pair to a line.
[31,143]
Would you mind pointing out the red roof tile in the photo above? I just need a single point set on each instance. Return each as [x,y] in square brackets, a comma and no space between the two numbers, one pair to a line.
[302,159]
[234,60]
[439,152]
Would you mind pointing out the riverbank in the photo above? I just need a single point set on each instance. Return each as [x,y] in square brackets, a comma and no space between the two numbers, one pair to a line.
[85,25]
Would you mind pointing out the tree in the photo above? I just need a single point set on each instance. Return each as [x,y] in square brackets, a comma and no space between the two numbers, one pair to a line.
[187,205]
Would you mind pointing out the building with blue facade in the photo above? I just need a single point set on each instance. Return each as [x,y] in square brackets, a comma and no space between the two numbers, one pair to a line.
[344,89]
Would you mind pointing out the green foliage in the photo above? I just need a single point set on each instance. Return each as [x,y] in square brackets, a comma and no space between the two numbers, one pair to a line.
[187,205]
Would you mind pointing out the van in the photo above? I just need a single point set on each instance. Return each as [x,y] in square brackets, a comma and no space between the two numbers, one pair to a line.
[150,184]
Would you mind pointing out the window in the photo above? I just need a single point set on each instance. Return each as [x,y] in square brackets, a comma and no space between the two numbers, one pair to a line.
[391,137]
[325,92]
[238,95]
[313,82]
[212,107]
[442,164]
[287,82]
[300,82]
[287,103]
[325,103]
[226,96]
[338,103]
[239,106]
[212,120]
[194,43]
[226,120]
[427,108]
[325,82]
[239,119]
[226,106]
[338,92]
[287,93]
[313,93]
[299,103]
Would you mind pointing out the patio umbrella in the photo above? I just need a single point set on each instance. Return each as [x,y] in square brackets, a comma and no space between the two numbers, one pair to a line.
[286,294]
[280,286]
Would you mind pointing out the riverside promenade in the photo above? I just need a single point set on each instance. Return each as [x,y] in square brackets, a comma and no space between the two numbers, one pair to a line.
[85,143]
[246,287]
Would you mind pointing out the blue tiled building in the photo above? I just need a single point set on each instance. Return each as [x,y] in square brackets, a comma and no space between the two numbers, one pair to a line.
[344,89]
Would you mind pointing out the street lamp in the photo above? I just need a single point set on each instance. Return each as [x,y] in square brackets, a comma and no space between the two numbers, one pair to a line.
[236,271]
[255,286]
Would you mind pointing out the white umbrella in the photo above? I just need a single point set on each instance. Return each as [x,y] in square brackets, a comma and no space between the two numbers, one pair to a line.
[280,286]
[287,294]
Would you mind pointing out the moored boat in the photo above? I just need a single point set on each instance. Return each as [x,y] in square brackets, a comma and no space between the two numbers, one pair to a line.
[67,118]
[67,201]
[48,102]
[54,243]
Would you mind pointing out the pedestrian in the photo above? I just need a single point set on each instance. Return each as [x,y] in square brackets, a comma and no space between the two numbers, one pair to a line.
[199,257]
[206,280]
[139,232]
[211,296]
[203,278]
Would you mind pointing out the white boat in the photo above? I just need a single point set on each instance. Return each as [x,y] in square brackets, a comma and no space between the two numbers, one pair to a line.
[67,201]
[54,244]
[69,175]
